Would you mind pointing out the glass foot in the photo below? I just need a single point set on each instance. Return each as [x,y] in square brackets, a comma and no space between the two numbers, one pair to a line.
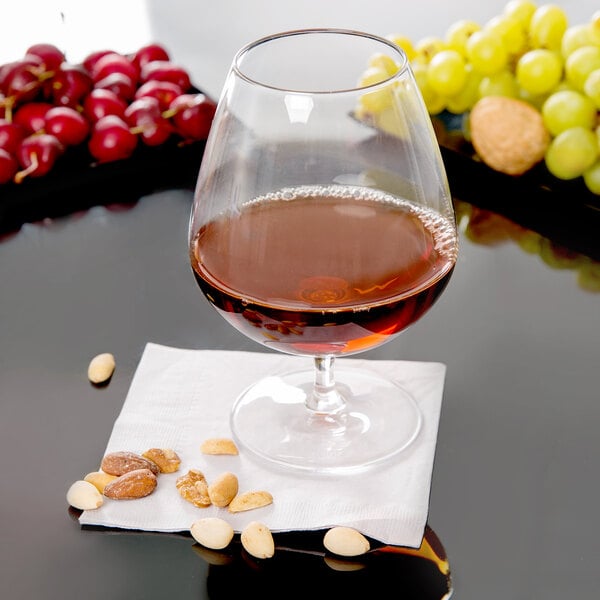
[377,420]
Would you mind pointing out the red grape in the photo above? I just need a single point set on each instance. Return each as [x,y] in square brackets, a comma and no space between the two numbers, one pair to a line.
[67,125]
[145,118]
[164,91]
[32,116]
[100,102]
[11,135]
[50,55]
[147,54]
[8,166]
[192,115]
[111,139]
[36,155]
[164,70]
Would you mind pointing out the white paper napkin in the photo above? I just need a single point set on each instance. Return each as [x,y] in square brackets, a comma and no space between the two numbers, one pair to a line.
[178,398]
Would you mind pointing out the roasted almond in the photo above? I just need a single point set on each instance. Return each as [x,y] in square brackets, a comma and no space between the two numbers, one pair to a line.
[99,479]
[223,489]
[250,501]
[131,485]
[219,446]
[118,463]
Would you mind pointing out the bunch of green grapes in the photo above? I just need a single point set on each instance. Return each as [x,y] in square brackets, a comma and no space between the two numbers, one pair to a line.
[530,52]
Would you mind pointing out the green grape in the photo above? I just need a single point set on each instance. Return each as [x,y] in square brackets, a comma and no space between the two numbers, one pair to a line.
[535,100]
[458,33]
[580,63]
[377,100]
[566,109]
[446,73]
[511,32]
[486,52]
[384,63]
[502,83]
[539,71]
[594,28]
[468,96]
[591,178]
[591,87]
[405,43]
[373,75]
[434,103]
[572,152]
[547,27]
[521,10]
[427,48]
[564,85]
[574,37]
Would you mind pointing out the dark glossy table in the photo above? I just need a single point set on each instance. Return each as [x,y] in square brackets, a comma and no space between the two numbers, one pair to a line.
[515,486]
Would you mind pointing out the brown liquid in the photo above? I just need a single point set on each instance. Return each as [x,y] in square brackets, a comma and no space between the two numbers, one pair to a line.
[309,273]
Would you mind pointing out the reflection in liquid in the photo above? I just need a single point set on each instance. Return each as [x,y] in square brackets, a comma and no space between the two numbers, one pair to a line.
[490,229]
[301,567]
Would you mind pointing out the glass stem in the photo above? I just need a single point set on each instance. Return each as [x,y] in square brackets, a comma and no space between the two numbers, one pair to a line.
[325,397]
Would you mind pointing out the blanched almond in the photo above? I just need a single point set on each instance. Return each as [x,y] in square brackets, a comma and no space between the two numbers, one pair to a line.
[346,541]
[101,368]
[250,501]
[84,496]
[257,540]
[212,532]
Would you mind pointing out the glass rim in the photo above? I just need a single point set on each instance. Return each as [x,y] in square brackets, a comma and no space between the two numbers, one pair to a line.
[244,50]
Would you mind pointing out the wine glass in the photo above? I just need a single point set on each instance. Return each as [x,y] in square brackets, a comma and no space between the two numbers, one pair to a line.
[322,226]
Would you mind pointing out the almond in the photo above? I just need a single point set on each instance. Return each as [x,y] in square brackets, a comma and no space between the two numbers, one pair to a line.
[84,496]
[223,489]
[132,485]
[257,540]
[219,446]
[212,532]
[346,541]
[99,479]
[250,501]
[101,368]
[118,463]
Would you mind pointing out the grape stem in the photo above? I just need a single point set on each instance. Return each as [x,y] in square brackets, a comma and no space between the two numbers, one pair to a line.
[21,175]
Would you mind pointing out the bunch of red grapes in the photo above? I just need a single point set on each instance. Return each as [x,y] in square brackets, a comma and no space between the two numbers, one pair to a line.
[111,102]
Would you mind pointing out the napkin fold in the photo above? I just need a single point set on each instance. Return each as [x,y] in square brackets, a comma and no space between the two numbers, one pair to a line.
[178,398]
